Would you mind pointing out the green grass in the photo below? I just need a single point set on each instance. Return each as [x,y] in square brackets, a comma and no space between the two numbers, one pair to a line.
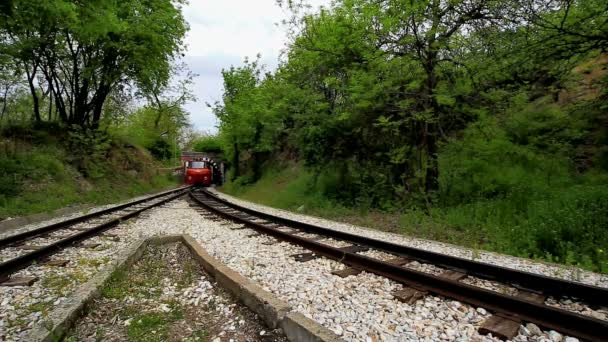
[38,174]
[566,225]
[148,327]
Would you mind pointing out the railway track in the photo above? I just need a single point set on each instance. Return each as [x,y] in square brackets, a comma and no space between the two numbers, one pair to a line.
[526,305]
[39,244]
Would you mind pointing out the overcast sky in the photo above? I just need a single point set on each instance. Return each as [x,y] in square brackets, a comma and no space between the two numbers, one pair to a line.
[222,33]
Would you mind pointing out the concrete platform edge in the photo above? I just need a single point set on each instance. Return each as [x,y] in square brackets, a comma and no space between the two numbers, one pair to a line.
[275,312]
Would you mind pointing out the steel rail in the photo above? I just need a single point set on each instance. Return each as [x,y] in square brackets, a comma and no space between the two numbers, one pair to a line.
[573,324]
[594,295]
[6,241]
[20,262]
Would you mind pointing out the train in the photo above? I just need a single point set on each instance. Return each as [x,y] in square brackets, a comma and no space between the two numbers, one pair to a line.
[201,170]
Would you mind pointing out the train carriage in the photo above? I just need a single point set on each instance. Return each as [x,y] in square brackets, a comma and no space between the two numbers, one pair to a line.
[202,169]
[198,172]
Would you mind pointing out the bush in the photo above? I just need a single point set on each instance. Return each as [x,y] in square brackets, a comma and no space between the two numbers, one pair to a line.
[487,165]
[160,149]
[209,144]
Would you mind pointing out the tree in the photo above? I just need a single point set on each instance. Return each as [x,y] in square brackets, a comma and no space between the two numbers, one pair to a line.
[86,50]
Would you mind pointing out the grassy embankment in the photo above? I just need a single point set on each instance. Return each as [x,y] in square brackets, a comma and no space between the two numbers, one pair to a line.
[566,225]
[44,169]
[530,181]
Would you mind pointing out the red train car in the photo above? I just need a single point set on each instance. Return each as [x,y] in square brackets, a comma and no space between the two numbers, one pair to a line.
[198,172]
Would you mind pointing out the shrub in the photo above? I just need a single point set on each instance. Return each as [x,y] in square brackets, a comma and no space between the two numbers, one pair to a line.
[486,165]
[209,144]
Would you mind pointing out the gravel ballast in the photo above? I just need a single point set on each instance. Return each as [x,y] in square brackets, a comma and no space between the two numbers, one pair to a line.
[166,296]
[358,308]
[552,270]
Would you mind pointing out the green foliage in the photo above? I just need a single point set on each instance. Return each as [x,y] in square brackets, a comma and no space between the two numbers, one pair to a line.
[107,46]
[157,129]
[40,171]
[476,127]
[485,164]
[210,144]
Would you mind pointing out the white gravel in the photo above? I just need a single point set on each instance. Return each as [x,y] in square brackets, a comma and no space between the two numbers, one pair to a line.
[359,308]
[559,271]
[58,219]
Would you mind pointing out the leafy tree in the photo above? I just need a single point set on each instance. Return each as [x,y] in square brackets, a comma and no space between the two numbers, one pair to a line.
[373,90]
[83,51]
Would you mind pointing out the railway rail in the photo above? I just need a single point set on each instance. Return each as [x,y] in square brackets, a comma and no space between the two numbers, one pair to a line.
[528,305]
[95,223]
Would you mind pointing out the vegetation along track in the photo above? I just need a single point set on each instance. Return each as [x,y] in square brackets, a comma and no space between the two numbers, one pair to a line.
[94,224]
[528,305]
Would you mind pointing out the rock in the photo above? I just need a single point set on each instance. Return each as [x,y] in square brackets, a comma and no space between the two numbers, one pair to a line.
[482,311]
[338,330]
[524,331]
[571,339]
[555,336]
[534,329]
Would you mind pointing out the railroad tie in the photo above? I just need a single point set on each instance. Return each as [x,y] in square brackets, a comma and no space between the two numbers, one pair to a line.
[345,272]
[29,247]
[409,295]
[111,237]
[240,227]
[270,242]
[88,245]
[398,261]
[17,281]
[501,326]
[507,327]
[304,257]
[534,297]
[453,275]
[56,263]
[354,249]
[81,229]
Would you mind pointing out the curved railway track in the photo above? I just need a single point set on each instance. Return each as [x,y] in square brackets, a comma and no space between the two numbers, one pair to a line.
[94,224]
[528,305]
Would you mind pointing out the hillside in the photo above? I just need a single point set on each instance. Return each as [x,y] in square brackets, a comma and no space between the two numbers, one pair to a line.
[487,133]
[48,167]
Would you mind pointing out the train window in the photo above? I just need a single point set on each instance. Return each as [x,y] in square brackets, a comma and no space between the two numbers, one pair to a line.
[198,165]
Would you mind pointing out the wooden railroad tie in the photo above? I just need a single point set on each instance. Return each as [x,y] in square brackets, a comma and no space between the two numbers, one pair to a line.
[270,242]
[501,326]
[348,271]
[88,245]
[17,281]
[304,257]
[504,326]
[453,275]
[409,295]
[398,261]
[112,237]
[56,263]
[82,229]
[28,247]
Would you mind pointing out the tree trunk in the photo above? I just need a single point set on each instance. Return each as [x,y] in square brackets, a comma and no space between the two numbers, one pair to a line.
[235,162]
[430,129]
[256,156]
[99,100]
[30,81]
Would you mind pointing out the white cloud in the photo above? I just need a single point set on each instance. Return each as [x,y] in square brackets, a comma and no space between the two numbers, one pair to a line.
[222,33]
